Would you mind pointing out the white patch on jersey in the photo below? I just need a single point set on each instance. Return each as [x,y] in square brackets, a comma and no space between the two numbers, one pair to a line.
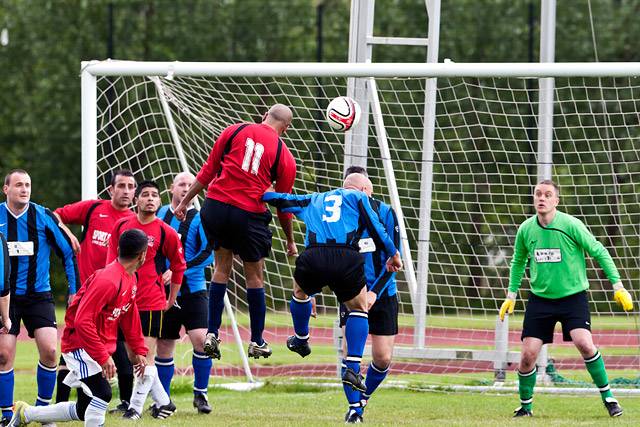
[367,245]
[20,248]
[100,238]
[547,255]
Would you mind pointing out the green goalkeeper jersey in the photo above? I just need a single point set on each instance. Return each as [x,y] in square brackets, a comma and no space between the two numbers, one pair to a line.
[557,253]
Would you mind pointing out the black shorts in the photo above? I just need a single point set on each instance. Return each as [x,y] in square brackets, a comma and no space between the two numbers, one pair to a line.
[35,311]
[339,267]
[383,316]
[541,315]
[193,314]
[151,322]
[247,234]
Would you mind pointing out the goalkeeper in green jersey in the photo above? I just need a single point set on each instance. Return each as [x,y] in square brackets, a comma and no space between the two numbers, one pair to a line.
[556,243]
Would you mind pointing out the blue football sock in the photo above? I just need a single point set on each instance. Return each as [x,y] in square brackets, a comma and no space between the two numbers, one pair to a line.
[217,292]
[257,313]
[6,393]
[356,331]
[375,376]
[46,379]
[201,370]
[300,314]
[166,369]
[353,396]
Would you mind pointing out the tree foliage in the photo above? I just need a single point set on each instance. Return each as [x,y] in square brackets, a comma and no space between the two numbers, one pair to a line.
[40,85]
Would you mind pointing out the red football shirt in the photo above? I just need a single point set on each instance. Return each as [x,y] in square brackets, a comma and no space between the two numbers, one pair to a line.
[164,244]
[106,301]
[240,172]
[93,248]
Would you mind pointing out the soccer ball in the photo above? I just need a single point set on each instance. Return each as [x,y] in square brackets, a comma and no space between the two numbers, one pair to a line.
[343,113]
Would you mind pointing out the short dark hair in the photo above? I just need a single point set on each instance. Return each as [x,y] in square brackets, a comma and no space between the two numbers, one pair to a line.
[550,182]
[132,243]
[146,184]
[120,172]
[7,178]
[355,169]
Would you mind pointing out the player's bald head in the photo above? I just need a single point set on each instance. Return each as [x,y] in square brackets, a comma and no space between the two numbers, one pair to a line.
[279,117]
[357,181]
[181,184]
[183,176]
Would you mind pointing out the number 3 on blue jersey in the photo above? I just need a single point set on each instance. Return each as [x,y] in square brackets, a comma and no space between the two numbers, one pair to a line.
[333,210]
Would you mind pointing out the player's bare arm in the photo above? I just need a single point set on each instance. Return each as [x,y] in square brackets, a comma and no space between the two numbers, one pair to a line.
[181,210]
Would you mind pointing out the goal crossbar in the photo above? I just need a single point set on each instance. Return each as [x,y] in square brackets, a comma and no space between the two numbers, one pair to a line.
[333,69]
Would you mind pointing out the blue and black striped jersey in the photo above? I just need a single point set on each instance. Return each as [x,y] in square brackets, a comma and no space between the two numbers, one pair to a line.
[379,280]
[337,217]
[5,268]
[30,238]
[197,252]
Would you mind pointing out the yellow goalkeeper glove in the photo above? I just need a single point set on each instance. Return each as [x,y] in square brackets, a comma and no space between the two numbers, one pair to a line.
[508,305]
[622,297]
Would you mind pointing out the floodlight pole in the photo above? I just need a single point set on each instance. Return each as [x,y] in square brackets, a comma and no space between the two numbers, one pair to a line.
[356,145]
[361,42]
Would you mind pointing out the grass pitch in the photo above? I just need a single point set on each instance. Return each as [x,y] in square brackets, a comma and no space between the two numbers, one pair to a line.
[304,404]
[308,405]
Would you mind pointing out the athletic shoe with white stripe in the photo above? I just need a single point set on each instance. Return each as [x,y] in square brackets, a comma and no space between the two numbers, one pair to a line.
[521,412]
[212,346]
[354,380]
[201,403]
[257,351]
[18,418]
[131,414]
[614,408]
[302,349]
[353,417]
[164,411]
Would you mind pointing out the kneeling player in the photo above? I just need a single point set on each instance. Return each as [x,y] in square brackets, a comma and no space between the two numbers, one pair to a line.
[331,257]
[105,302]
[164,244]
[382,303]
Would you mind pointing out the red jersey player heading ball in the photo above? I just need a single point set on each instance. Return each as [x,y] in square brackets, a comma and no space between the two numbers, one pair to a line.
[246,160]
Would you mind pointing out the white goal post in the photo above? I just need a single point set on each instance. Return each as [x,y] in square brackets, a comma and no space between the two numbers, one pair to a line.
[458,219]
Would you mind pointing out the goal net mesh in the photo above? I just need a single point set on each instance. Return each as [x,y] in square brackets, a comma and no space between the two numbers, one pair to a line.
[484,169]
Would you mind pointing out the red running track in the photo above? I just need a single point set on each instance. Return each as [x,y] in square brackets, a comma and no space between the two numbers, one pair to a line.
[436,337]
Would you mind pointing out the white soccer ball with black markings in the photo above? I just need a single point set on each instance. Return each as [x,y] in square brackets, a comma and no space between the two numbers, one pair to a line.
[343,113]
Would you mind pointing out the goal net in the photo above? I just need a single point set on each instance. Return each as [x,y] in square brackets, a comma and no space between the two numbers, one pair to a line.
[485,164]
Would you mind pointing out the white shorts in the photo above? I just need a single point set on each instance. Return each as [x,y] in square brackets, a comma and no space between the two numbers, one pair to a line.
[81,366]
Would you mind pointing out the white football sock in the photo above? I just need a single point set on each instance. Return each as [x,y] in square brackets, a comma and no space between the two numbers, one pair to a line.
[141,388]
[94,415]
[63,411]
[158,393]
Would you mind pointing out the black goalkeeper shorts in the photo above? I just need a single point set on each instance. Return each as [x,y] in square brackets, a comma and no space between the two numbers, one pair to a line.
[542,314]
